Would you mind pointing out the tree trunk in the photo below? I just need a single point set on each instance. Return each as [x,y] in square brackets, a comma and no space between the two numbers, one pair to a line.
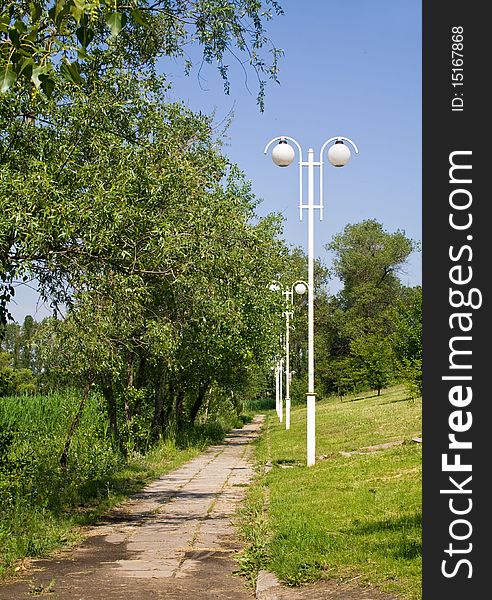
[73,425]
[140,378]
[129,386]
[158,417]
[207,408]
[202,390]
[179,407]
[168,404]
[108,393]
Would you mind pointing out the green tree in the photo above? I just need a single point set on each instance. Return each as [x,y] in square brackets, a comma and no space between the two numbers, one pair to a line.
[360,321]
[17,341]
[6,375]
[339,374]
[367,260]
[88,157]
[14,381]
[63,49]
[365,252]
[373,356]
[10,341]
[141,234]
[335,369]
[142,227]
[407,339]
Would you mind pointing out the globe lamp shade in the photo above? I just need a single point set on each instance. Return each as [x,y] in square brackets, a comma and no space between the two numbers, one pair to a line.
[300,289]
[339,154]
[283,154]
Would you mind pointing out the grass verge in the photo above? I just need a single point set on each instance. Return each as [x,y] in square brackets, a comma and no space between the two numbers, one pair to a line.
[350,517]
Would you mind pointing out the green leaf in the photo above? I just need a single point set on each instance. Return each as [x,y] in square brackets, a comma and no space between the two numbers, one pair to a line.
[85,35]
[20,26]
[77,9]
[60,6]
[7,78]
[71,72]
[47,85]
[139,18]
[14,37]
[4,23]
[35,77]
[42,78]
[83,54]
[116,22]
[59,10]
[28,62]
[36,11]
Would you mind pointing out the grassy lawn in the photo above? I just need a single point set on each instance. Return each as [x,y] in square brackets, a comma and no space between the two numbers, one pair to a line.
[354,517]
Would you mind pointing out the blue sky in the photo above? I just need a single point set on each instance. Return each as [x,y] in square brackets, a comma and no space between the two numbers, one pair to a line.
[350,68]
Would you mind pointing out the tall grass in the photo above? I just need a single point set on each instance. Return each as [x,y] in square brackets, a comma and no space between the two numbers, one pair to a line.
[41,503]
[35,491]
[259,404]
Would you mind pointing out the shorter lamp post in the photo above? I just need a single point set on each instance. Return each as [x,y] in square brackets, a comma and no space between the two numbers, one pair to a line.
[278,376]
[278,369]
[300,288]
[280,390]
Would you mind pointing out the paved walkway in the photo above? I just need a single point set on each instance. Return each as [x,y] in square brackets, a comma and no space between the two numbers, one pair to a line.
[174,540]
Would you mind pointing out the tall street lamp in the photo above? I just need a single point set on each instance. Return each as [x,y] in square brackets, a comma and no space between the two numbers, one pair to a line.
[338,155]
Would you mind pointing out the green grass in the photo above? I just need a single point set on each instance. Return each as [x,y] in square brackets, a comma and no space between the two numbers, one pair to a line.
[348,517]
[42,507]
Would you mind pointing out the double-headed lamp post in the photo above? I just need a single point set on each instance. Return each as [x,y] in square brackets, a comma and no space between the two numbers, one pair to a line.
[338,155]
[300,288]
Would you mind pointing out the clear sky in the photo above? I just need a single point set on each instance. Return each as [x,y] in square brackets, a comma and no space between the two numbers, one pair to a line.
[350,68]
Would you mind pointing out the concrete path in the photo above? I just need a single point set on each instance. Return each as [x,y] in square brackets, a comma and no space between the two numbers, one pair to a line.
[174,540]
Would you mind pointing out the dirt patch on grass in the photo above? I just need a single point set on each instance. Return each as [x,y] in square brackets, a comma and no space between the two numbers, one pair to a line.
[330,590]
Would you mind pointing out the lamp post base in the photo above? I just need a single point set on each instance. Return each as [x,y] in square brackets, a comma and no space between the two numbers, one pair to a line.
[287,413]
[311,429]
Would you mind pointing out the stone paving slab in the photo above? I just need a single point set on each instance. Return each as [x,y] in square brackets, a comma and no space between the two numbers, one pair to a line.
[173,540]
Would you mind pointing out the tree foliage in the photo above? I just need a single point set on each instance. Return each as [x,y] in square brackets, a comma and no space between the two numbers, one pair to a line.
[357,327]
[407,339]
[369,333]
[373,357]
[366,253]
[43,43]
[14,380]
[144,238]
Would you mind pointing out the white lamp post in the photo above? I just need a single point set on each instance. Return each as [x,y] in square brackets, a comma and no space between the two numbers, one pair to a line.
[300,288]
[275,287]
[338,155]
[278,376]
[280,390]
